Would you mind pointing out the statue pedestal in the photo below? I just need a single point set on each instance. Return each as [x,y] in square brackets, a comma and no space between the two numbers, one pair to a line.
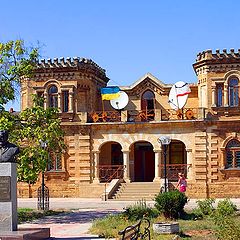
[8,197]
[8,208]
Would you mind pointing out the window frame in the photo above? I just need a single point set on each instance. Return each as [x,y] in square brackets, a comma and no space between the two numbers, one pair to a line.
[233,92]
[53,97]
[233,149]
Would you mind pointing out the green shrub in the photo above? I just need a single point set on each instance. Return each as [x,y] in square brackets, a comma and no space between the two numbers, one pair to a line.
[226,207]
[171,204]
[139,210]
[204,208]
[227,227]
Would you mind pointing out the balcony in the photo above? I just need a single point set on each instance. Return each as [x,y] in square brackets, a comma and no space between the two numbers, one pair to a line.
[146,115]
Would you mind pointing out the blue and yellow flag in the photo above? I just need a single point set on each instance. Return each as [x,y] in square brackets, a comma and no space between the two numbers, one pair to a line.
[110,93]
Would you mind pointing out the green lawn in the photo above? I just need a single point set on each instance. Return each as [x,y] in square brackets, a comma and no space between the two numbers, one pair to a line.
[109,227]
[28,214]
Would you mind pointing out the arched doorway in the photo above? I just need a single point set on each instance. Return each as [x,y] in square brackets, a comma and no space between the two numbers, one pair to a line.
[144,162]
[177,159]
[110,161]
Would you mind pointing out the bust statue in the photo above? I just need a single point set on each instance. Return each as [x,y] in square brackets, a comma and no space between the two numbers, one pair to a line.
[8,150]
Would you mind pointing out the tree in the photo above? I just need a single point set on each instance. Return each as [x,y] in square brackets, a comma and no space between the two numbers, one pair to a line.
[16,61]
[38,124]
[32,124]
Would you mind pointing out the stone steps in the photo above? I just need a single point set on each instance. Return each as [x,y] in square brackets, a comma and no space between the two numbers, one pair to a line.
[137,191]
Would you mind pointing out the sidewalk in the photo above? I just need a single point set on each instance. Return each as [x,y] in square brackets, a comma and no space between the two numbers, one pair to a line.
[75,225]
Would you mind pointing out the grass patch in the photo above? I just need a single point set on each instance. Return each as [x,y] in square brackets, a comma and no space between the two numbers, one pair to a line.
[199,229]
[28,214]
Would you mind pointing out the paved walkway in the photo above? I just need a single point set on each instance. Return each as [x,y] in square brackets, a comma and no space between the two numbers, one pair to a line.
[75,225]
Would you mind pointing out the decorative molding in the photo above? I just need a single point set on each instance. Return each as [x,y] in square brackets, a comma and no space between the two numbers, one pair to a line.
[145,85]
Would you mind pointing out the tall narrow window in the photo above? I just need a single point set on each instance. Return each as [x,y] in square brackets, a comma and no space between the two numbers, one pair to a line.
[65,97]
[233,92]
[53,96]
[219,88]
[233,154]
[147,104]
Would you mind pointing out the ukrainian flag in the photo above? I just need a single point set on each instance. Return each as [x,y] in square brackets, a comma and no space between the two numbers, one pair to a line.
[109,93]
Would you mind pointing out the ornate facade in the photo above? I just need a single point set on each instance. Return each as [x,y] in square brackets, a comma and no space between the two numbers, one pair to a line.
[105,144]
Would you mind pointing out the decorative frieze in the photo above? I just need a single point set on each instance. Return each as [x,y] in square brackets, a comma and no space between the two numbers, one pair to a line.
[224,61]
[68,63]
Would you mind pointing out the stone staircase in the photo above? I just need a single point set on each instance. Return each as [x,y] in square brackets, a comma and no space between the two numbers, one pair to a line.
[136,191]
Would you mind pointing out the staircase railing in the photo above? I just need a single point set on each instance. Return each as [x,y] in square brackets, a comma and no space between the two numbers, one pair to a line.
[109,172]
[106,172]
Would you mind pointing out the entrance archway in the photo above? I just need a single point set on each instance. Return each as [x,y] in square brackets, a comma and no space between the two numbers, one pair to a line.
[144,162]
[177,159]
[110,161]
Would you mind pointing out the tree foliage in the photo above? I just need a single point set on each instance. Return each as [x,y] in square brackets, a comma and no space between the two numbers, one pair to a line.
[15,61]
[28,129]
[32,125]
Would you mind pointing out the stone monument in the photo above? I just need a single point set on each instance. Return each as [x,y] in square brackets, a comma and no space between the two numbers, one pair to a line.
[8,196]
[8,183]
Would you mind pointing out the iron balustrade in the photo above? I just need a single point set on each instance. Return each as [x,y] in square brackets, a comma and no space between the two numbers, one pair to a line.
[174,169]
[105,116]
[147,115]
[181,114]
[108,172]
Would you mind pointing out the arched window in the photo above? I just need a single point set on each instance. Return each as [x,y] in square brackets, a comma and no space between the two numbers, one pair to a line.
[53,96]
[233,92]
[148,104]
[233,154]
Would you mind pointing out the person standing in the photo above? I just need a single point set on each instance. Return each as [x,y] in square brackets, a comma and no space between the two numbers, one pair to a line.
[182,183]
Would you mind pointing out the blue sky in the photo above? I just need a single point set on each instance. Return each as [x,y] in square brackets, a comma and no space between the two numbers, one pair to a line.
[128,38]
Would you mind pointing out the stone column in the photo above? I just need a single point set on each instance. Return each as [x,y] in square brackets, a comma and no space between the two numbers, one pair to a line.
[124,116]
[71,101]
[213,96]
[225,95]
[158,161]
[126,165]
[60,102]
[8,197]
[190,164]
[45,104]
[96,167]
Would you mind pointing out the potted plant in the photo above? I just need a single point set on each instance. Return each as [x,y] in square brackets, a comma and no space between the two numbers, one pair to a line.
[170,205]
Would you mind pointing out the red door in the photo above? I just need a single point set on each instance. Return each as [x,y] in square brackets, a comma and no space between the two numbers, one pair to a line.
[144,164]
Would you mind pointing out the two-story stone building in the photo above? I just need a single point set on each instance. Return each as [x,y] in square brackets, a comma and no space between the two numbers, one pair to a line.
[105,144]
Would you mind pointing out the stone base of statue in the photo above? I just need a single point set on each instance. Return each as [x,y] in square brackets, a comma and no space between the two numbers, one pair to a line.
[27,234]
[8,197]
[8,207]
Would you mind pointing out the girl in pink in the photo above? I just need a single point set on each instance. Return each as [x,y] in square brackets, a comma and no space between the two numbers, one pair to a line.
[182,183]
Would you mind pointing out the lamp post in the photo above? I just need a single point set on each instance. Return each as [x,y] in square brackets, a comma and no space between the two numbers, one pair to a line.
[42,207]
[165,141]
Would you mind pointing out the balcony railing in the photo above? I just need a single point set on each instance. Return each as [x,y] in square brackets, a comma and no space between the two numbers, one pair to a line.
[141,115]
[105,116]
[182,114]
[146,115]
[107,172]
[174,169]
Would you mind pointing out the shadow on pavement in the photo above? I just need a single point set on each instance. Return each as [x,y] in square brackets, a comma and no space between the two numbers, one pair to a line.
[75,217]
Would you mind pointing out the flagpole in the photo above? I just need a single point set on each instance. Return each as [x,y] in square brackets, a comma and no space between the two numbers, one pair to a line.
[102,105]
